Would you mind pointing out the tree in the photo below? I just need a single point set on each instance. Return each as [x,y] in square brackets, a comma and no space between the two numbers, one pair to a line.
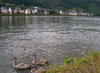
[52,12]
[42,11]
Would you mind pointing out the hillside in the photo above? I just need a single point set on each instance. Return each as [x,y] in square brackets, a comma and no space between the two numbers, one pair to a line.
[0,1]
[24,2]
[91,6]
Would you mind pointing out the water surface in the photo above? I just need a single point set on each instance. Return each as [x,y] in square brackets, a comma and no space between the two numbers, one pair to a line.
[56,37]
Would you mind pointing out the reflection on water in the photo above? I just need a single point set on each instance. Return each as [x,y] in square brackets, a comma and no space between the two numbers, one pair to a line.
[56,37]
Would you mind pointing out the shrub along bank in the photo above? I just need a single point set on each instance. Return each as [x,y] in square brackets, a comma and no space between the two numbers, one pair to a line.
[89,63]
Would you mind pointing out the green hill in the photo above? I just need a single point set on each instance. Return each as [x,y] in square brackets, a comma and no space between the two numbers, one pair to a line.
[24,2]
[91,6]
[0,1]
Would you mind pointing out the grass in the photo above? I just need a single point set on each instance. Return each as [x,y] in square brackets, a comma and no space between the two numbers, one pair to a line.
[90,63]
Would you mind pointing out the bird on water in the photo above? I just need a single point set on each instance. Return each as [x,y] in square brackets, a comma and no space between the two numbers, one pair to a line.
[40,61]
[20,65]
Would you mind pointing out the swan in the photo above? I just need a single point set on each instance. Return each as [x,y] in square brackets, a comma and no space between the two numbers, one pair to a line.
[40,61]
[20,65]
[83,54]
[36,70]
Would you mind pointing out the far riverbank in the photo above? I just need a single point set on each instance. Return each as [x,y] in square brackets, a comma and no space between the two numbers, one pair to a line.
[42,15]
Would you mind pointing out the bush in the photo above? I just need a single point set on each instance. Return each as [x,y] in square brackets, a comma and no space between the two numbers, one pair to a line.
[90,63]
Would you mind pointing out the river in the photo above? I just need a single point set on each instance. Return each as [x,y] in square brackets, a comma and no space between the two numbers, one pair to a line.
[55,37]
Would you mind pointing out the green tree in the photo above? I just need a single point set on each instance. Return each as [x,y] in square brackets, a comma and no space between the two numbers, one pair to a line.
[41,11]
[51,12]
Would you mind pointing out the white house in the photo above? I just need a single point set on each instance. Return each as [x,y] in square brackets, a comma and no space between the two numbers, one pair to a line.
[34,11]
[37,8]
[72,12]
[82,13]
[16,10]
[13,10]
[61,12]
[10,10]
[21,10]
[4,9]
[28,11]
[46,11]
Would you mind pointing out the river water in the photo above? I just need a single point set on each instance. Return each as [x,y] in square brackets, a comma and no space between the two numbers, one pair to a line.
[56,37]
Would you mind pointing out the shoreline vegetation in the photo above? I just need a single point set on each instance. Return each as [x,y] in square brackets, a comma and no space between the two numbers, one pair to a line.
[88,63]
[43,15]
[38,15]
